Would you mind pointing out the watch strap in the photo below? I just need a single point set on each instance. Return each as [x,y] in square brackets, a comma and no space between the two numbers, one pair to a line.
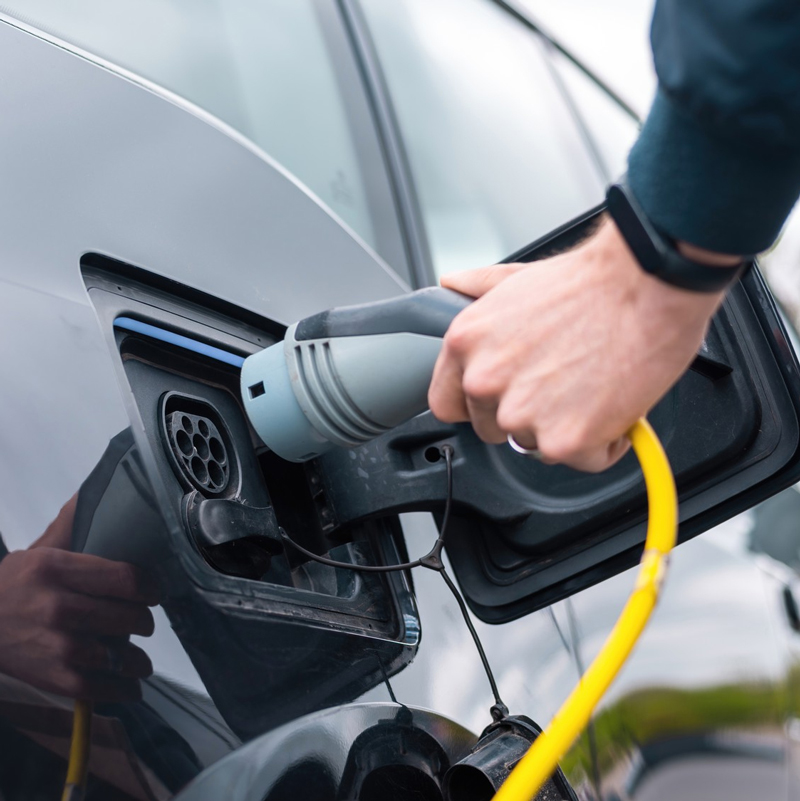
[657,254]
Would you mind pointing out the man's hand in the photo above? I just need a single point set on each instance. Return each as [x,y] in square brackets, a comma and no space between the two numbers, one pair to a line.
[567,353]
[65,619]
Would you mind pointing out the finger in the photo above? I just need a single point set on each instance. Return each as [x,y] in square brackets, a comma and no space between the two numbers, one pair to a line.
[99,687]
[101,616]
[92,575]
[617,449]
[599,459]
[525,439]
[76,683]
[445,394]
[59,533]
[119,658]
[479,281]
[589,460]
[483,416]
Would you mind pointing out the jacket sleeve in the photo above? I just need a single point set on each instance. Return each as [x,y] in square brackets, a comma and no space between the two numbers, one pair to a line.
[718,160]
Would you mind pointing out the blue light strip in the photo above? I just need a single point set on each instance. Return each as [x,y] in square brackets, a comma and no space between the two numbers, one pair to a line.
[129,324]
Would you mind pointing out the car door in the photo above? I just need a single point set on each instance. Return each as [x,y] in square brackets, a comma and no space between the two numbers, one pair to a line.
[491,141]
[136,181]
[150,244]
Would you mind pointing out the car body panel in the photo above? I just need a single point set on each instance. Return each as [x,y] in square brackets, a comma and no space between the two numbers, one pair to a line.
[332,754]
[96,160]
[116,169]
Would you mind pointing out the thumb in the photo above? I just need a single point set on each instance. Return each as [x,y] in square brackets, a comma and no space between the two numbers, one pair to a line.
[59,533]
[479,281]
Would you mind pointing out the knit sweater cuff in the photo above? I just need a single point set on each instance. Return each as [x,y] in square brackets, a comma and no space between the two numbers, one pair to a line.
[712,189]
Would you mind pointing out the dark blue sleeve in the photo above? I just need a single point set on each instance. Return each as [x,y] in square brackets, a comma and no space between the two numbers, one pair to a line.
[718,161]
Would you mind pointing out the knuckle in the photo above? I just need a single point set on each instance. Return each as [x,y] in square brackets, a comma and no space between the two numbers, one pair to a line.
[482,384]
[126,580]
[53,610]
[564,446]
[442,410]
[73,684]
[39,565]
[64,650]
[459,337]
[513,419]
[86,615]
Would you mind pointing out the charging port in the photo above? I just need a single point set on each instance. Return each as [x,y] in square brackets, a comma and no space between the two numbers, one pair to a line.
[200,447]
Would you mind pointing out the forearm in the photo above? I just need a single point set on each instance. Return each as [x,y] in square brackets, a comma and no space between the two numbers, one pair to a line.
[718,161]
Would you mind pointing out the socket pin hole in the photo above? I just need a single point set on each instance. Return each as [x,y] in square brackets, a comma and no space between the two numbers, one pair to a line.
[199,470]
[432,455]
[217,450]
[216,473]
[201,445]
[183,441]
[257,390]
[195,442]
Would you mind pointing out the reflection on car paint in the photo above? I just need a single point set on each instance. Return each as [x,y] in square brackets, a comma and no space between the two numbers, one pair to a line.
[709,704]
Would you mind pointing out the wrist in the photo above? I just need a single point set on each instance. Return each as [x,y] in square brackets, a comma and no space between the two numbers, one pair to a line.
[665,258]
[648,290]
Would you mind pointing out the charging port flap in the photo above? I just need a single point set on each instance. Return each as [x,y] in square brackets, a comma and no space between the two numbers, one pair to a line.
[272,635]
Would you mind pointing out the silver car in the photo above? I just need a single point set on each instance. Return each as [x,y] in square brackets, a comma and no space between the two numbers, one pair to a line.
[179,182]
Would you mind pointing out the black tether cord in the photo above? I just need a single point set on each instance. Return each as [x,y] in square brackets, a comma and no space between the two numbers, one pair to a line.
[433,561]
[463,607]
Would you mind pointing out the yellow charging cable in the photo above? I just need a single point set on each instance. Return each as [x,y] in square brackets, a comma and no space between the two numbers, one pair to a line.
[541,760]
[77,768]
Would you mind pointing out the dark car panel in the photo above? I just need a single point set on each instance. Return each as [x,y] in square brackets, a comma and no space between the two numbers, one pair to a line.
[124,196]
[95,162]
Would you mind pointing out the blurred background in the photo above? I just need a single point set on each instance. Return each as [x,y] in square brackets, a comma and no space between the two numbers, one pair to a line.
[613,38]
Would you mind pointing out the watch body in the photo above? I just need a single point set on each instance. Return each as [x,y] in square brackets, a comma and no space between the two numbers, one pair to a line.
[657,254]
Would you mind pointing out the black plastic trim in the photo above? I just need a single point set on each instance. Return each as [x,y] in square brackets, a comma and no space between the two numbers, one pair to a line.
[295,640]
[408,206]
[428,312]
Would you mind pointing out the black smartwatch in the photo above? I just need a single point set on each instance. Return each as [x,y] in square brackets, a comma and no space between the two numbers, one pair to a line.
[657,253]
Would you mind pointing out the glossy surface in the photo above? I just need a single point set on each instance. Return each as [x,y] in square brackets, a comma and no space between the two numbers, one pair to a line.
[97,162]
[496,153]
[92,161]
[280,74]
[370,751]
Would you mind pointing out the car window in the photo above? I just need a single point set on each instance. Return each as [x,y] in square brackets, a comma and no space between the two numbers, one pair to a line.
[497,157]
[613,130]
[279,72]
